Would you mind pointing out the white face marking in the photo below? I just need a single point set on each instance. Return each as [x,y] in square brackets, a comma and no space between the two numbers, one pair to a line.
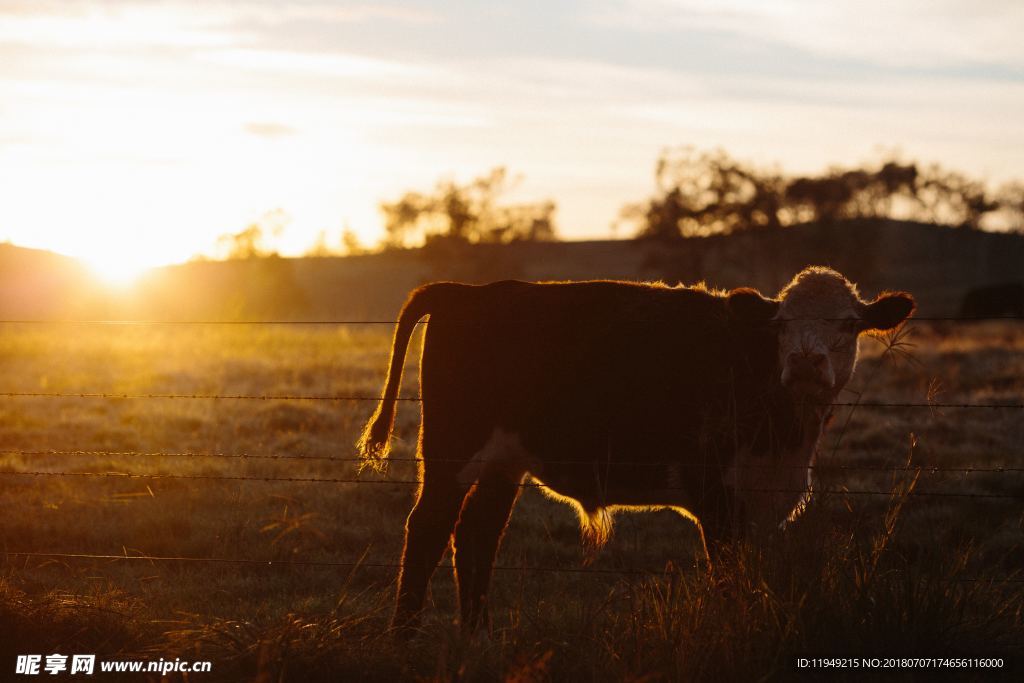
[818,327]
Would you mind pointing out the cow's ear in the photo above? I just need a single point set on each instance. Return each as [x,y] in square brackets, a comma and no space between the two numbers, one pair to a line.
[748,305]
[887,311]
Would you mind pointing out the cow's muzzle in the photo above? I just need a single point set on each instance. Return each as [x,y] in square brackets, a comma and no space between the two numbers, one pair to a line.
[808,374]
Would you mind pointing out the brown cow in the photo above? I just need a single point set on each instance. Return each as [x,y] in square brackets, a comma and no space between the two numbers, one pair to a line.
[614,395]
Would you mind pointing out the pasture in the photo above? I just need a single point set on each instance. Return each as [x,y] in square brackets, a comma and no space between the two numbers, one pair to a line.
[878,566]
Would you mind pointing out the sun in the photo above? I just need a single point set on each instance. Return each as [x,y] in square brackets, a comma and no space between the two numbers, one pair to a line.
[113,270]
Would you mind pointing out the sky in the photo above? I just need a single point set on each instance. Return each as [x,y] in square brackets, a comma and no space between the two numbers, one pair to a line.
[133,133]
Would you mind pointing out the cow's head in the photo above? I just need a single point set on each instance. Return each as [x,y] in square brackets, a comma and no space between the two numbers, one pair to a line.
[819,317]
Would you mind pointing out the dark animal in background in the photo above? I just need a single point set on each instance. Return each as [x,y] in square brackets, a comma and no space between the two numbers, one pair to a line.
[615,395]
[994,301]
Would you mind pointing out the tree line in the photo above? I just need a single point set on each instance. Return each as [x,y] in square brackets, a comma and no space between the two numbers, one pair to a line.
[697,193]
[702,193]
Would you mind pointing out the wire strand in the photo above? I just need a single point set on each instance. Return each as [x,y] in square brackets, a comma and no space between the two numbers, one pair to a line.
[249,397]
[314,397]
[342,480]
[925,319]
[582,463]
[395,565]
[319,563]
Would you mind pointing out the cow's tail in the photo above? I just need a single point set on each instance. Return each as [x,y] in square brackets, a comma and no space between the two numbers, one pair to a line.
[375,443]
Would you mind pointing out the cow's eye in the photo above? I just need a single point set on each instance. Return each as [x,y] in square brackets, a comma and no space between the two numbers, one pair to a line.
[849,326]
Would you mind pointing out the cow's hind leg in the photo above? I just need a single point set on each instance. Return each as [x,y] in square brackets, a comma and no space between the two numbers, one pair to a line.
[427,533]
[485,515]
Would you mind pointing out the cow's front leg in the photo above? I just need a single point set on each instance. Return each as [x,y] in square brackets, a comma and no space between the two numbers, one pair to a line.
[721,526]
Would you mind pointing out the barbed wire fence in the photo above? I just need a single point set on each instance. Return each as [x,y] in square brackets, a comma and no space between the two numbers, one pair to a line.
[364,480]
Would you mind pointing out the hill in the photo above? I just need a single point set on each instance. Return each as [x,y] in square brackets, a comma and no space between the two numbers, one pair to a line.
[37,284]
[940,265]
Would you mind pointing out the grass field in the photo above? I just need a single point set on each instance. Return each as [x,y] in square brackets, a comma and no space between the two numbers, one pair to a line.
[859,574]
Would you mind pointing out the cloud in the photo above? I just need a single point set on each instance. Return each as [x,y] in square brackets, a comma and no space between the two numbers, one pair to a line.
[276,12]
[113,27]
[269,129]
[909,33]
[336,64]
[115,24]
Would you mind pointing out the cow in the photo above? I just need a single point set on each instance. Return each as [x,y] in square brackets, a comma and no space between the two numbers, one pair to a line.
[612,396]
[994,301]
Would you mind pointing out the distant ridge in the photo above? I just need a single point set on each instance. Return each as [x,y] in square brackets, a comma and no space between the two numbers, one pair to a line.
[937,263]
[35,284]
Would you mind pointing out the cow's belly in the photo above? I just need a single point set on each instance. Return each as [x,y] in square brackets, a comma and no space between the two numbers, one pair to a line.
[618,480]
[594,490]
[767,489]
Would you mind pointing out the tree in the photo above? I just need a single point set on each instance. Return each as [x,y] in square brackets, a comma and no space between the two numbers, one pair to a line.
[951,197]
[350,244]
[705,193]
[245,244]
[319,248]
[249,242]
[468,214]
[1010,198]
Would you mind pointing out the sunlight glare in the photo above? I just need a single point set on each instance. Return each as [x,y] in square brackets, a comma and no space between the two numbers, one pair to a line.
[114,270]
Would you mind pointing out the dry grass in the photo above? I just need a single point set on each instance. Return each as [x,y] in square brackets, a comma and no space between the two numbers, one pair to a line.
[864,575]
